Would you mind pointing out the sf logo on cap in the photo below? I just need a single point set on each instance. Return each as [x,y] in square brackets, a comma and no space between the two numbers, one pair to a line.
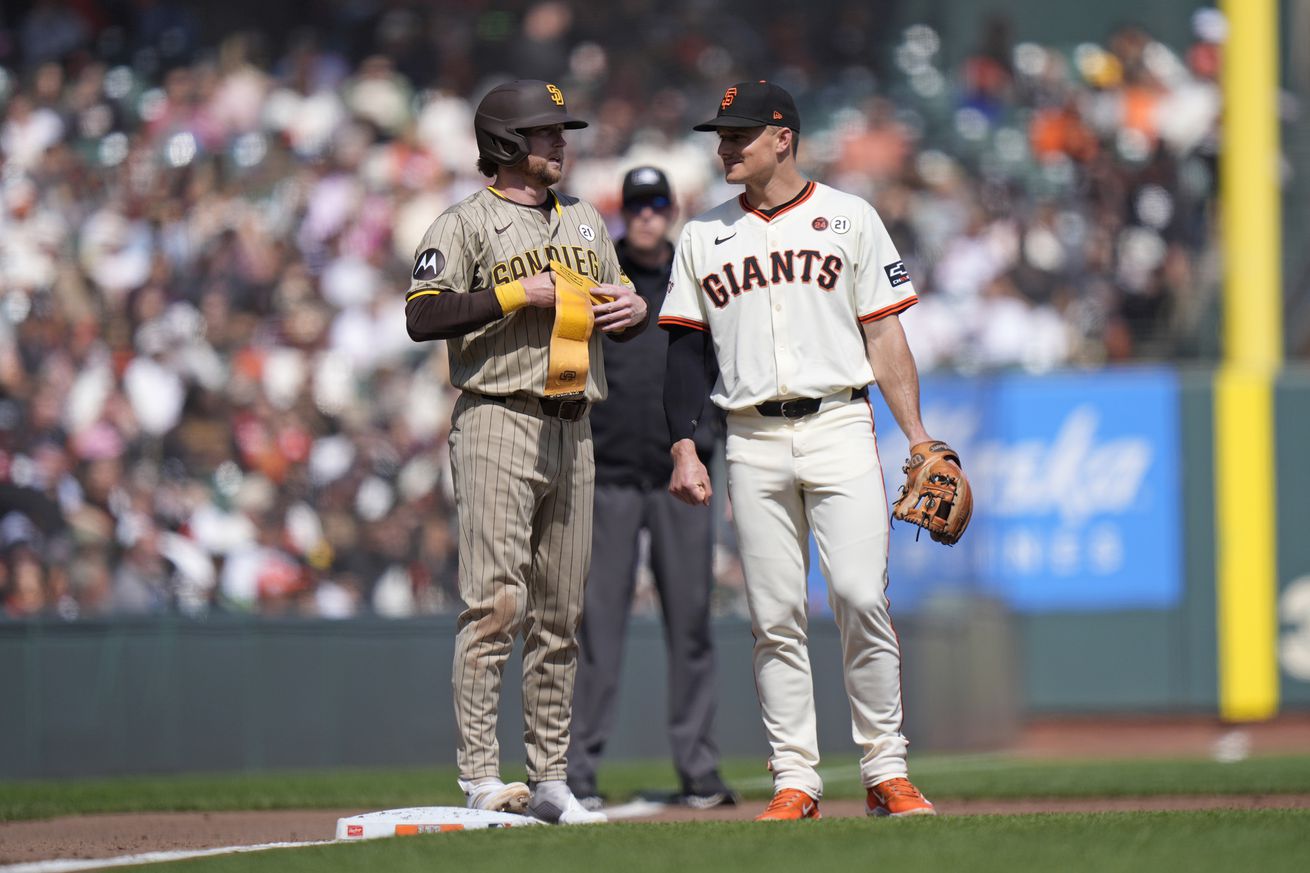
[556,94]
[728,97]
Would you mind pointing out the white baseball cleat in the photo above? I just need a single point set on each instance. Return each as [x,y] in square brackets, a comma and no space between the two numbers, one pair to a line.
[554,803]
[492,795]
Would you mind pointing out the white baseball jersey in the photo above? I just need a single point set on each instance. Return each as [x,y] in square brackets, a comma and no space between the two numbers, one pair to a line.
[783,295]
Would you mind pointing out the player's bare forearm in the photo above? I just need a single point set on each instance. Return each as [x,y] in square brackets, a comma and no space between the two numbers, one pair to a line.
[540,289]
[690,482]
[898,377]
[623,312]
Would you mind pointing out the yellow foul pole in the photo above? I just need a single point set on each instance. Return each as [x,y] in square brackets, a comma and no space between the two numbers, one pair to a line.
[1251,227]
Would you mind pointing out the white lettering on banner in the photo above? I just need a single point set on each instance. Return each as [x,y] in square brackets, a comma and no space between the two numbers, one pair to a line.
[1072,475]
[1098,550]
[1294,645]
[1058,483]
[1023,551]
[1065,553]
[1105,548]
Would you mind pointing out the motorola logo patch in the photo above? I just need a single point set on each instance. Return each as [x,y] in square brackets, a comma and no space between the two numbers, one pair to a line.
[429,264]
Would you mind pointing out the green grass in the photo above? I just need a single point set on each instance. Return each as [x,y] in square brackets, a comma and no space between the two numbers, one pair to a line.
[1269,842]
[1266,841]
[1000,777]
[941,777]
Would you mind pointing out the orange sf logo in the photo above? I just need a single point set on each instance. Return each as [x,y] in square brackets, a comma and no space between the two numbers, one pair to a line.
[728,97]
[556,94]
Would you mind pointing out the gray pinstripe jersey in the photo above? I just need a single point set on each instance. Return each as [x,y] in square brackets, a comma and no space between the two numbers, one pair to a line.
[487,240]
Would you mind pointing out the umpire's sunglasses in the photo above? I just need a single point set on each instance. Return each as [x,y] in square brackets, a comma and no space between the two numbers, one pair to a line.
[658,203]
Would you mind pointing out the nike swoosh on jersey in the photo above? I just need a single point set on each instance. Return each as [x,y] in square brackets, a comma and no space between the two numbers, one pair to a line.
[503,229]
[718,241]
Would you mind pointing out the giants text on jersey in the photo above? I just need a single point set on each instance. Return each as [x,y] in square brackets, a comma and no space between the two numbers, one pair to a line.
[783,295]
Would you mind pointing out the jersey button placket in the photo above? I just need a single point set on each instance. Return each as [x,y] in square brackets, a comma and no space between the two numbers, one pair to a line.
[551,219]
[783,361]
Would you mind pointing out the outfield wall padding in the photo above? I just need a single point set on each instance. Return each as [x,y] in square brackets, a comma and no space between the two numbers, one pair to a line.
[96,698]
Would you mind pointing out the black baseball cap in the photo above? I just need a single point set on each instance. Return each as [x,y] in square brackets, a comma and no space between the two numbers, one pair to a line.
[751,104]
[645,183]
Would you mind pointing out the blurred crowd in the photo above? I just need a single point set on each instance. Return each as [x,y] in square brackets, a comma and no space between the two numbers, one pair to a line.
[208,400]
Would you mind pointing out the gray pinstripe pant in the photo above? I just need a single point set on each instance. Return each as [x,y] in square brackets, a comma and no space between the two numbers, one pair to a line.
[523,488]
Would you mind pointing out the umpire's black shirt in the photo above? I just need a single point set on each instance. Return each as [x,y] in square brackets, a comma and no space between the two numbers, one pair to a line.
[629,431]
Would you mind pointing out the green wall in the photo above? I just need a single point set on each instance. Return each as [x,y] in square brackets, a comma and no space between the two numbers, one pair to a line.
[1292,404]
[127,697]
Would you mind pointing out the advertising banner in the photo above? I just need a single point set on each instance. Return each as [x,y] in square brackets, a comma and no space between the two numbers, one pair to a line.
[1077,501]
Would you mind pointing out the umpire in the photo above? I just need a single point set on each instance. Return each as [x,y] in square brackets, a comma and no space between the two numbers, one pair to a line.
[633,467]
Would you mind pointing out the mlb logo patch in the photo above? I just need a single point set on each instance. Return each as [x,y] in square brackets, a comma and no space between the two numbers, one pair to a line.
[896,273]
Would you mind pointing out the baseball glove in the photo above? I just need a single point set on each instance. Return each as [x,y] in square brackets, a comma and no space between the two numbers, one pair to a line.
[936,494]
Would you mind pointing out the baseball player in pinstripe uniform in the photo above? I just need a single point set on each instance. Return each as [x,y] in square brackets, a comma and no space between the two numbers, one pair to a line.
[798,287]
[528,363]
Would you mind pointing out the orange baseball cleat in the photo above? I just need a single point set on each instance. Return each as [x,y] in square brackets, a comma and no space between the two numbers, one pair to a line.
[897,797]
[790,804]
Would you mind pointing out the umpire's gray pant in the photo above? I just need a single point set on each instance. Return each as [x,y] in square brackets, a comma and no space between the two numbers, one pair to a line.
[681,554]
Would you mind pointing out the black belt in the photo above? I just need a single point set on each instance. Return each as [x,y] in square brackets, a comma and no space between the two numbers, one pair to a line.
[563,408]
[801,406]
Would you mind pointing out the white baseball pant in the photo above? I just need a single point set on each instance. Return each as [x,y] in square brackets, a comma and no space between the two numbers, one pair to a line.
[786,479]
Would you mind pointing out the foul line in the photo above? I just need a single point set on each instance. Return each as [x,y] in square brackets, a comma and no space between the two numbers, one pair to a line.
[634,809]
[68,866]
[629,810]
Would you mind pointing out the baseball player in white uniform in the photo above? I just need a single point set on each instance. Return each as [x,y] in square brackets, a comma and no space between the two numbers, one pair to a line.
[798,286]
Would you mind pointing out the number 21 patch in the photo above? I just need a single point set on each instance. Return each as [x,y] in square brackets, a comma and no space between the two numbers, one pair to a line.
[896,273]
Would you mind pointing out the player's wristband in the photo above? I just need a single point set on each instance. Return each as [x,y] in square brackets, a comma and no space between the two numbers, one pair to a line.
[512,296]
